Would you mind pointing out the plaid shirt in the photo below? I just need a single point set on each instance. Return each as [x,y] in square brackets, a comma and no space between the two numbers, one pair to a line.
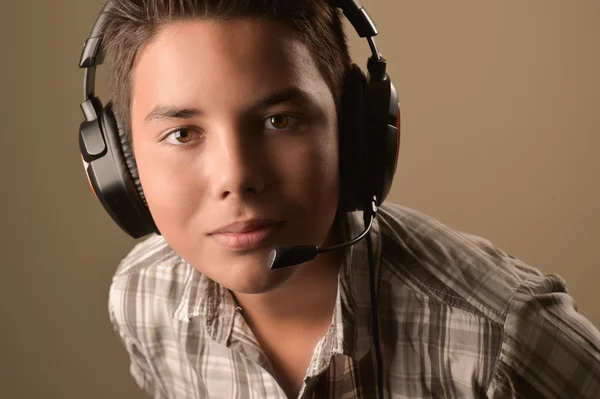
[459,318]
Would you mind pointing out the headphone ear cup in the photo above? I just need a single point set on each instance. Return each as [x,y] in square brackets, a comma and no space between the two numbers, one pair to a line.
[353,143]
[116,181]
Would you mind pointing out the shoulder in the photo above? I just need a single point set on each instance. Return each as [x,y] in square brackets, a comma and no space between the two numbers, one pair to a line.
[146,286]
[549,350]
[452,266]
[546,348]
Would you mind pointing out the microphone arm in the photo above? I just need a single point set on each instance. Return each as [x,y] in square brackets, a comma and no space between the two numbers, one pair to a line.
[293,255]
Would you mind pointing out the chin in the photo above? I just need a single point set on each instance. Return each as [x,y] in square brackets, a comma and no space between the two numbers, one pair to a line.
[248,274]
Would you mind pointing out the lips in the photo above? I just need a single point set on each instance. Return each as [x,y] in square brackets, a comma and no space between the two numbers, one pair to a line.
[247,234]
[245,227]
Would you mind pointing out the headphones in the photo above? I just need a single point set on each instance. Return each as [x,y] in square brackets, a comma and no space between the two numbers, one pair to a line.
[369,141]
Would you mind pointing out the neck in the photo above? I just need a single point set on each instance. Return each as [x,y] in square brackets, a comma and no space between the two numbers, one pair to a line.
[309,295]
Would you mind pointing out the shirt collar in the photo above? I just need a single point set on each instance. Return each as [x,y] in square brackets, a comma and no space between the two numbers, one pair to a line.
[212,303]
[349,332]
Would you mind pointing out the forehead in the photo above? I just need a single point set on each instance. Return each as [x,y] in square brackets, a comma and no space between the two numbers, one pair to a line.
[194,59]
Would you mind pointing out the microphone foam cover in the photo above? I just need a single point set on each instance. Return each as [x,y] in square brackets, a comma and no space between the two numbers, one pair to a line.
[289,256]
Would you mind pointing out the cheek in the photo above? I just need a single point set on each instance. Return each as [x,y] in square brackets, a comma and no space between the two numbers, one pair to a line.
[166,185]
[309,172]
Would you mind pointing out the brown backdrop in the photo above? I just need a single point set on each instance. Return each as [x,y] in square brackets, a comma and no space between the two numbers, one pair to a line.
[501,123]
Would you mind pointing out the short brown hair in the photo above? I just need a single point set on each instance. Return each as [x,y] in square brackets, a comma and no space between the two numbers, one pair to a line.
[132,23]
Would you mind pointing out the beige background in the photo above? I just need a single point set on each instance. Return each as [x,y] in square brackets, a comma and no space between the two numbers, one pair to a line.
[501,129]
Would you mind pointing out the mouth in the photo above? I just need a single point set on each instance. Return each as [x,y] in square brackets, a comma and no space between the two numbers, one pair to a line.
[246,235]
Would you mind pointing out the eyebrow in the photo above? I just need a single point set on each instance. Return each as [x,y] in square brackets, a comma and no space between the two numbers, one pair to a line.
[172,112]
[286,95]
[161,112]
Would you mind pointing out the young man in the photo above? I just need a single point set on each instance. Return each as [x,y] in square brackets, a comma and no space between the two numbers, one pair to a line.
[233,109]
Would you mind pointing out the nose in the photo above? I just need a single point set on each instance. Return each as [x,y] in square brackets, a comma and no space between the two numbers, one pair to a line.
[238,164]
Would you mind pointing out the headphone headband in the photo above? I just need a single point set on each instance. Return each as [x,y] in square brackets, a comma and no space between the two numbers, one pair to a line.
[93,53]
[358,17]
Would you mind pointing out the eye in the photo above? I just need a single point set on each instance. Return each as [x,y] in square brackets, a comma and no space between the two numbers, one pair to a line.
[279,122]
[180,136]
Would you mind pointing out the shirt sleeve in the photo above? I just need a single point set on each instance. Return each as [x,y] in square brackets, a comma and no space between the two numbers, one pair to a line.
[549,350]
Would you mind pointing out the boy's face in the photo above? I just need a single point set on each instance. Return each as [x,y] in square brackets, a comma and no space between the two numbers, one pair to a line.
[257,139]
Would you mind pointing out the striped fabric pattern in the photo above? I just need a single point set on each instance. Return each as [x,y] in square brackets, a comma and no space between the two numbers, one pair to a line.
[459,318]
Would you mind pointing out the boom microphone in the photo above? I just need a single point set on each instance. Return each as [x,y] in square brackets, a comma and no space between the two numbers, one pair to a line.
[292,255]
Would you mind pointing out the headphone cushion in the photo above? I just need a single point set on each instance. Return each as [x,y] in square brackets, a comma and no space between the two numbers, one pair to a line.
[114,127]
[353,144]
